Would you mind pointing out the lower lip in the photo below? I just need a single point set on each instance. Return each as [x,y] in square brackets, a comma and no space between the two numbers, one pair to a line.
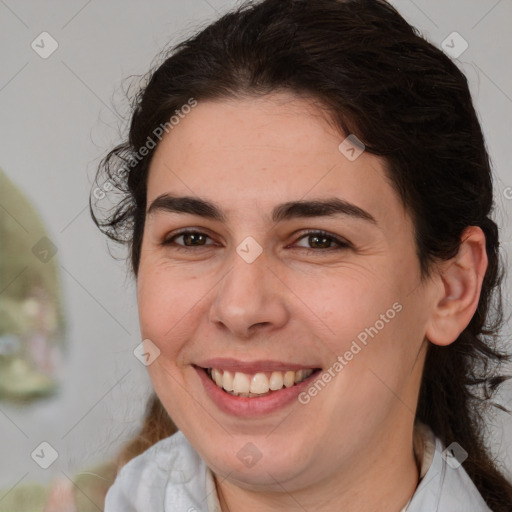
[255,406]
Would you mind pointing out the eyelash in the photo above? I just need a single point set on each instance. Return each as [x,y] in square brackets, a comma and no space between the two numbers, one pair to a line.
[342,244]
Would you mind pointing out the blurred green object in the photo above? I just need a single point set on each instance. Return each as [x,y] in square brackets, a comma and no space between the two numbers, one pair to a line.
[88,489]
[26,498]
[32,325]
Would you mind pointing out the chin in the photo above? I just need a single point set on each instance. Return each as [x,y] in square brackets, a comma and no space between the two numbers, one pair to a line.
[253,464]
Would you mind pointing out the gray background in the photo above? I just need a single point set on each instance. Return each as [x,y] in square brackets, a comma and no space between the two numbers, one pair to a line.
[58,120]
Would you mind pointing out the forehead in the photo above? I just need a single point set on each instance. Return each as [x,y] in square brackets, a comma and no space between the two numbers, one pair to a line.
[253,153]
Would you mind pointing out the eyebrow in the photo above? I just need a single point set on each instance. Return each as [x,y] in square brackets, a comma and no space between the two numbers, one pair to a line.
[290,210]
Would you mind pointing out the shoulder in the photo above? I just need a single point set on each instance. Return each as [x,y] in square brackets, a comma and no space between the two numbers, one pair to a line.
[167,475]
[446,486]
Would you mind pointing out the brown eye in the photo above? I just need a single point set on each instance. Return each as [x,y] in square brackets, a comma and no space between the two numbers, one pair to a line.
[190,239]
[322,241]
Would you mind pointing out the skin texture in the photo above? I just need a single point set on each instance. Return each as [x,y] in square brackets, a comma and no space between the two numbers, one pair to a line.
[352,443]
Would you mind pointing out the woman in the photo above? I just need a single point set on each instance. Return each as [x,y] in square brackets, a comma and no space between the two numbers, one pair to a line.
[307,200]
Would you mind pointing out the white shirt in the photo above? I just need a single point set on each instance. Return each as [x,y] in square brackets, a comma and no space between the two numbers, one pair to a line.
[171,476]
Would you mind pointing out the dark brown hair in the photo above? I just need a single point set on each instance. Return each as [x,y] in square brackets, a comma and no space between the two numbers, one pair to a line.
[408,103]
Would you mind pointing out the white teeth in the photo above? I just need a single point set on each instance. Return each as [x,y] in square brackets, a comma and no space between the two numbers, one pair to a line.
[276,381]
[217,377]
[227,381]
[241,383]
[289,379]
[259,384]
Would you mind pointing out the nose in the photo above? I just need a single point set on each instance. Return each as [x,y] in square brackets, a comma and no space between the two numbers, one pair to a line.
[250,298]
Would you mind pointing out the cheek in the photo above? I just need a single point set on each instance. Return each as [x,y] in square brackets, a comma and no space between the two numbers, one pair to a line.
[368,321]
[164,306]
[347,305]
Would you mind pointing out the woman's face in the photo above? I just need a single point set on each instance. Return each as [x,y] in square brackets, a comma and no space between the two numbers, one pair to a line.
[258,294]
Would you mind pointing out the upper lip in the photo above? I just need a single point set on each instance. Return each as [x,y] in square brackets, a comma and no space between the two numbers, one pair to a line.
[261,365]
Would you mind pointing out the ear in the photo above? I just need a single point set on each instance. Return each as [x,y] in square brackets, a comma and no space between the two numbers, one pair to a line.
[459,282]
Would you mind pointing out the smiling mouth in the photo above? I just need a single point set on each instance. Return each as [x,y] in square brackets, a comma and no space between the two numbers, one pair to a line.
[257,384]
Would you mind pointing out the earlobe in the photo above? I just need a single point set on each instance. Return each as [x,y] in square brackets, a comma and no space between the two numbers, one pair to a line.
[458,287]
